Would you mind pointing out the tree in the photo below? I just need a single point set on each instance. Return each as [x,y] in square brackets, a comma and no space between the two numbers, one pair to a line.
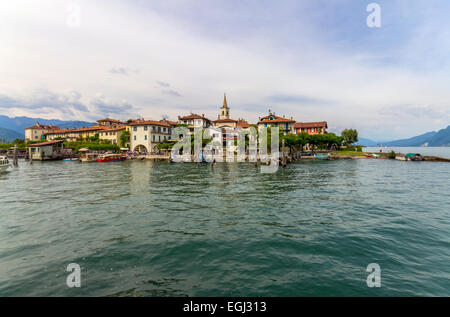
[350,136]
[124,138]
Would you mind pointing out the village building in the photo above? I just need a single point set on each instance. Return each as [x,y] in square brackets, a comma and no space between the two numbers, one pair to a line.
[112,135]
[284,124]
[110,123]
[193,121]
[147,134]
[74,134]
[37,131]
[311,127]
[50,150]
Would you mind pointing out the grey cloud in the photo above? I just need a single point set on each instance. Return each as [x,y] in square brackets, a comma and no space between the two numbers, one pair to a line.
[42,99]
[163,84]
[122,71]
[415,111]
[171,92]
[295,99]
[107,108]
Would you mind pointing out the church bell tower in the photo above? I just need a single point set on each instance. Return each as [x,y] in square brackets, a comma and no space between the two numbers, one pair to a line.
[224,111]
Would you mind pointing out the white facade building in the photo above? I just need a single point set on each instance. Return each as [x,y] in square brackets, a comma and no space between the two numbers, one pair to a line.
[145,135]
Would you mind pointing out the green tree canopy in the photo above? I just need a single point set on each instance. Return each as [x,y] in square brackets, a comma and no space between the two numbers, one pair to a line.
[350,136]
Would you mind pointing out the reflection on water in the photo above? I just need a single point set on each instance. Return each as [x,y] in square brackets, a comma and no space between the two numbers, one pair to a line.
[158,229]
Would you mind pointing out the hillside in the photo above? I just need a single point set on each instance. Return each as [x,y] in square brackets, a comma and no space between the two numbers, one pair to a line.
[18,124]
[9,135]
[440,138]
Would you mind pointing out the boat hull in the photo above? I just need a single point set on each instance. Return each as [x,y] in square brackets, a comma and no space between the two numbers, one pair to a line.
[3,168]
[107,160]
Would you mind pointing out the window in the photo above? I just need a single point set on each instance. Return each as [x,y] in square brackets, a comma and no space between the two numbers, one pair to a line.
[159,137]
[313,130]
[134,128]
[135,138]
[159,129]
[164,129]
[145,128]
[153,138]
[145,137]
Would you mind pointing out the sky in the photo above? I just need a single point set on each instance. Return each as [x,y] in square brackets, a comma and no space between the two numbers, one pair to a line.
[312,60]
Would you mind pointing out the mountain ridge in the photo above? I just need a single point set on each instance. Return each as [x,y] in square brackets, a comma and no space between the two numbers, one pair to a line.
[18,124]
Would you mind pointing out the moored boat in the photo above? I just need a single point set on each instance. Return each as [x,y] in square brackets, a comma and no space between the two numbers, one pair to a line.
[4,163]
[322,156]
[111,158]
[372,155]
[414,157]
[88,157]
[70,159]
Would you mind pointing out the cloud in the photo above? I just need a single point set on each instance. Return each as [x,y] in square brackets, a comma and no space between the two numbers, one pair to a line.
[163,84]
[171,92]
[69,105]
[421,112]
[122,71]
[295,99]
[118,109]
[45,100]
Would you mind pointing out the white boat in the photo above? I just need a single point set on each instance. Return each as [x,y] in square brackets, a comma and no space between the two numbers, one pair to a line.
[89,157]
[4,163]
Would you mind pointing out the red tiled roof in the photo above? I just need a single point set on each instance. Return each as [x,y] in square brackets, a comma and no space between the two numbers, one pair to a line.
[242,124]
[275,119]
[150,122]
[61,131]
[117,128]
[172,123]
[193,116]
[321,124]
[44,127]
[109,120]
[46,143]
[225,121]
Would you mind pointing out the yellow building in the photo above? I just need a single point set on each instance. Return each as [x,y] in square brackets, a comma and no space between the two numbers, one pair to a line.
[74,134]
[37,132]
[112,134]
[284,124]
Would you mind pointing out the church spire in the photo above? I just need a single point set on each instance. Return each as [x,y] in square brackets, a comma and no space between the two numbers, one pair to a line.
[224,111]
[225,105]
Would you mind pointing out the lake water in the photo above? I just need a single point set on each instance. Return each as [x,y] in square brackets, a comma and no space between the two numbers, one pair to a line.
[159,229]
[433,151]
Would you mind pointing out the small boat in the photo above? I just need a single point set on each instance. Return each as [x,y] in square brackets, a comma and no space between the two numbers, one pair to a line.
[111,158]
[88,157]
[414,157]
[70,159]
[372,155]
[400,158]
[322,156]
[4,163]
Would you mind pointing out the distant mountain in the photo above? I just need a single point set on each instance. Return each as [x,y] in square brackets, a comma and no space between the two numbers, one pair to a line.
[440,138]
[366,142]
[19,124]
[9,135]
